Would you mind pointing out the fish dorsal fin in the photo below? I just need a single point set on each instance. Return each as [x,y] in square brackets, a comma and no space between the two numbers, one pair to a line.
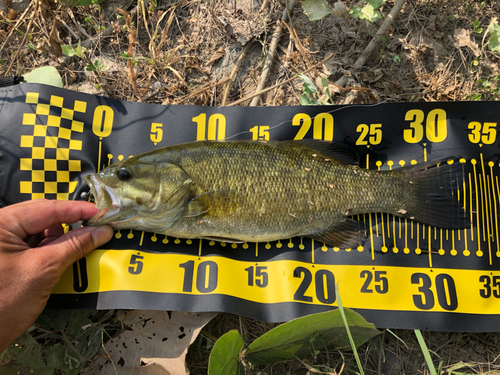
[341,152]
[345,234]
[208,203]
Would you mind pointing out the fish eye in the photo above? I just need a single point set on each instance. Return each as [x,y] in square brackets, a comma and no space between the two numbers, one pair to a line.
[123,174]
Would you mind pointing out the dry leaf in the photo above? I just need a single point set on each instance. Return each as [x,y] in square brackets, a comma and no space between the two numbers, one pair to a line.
[157,343]
[462,39]
[331,66]
[340,10]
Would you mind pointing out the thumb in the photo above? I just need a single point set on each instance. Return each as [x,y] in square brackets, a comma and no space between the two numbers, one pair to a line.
[77,243]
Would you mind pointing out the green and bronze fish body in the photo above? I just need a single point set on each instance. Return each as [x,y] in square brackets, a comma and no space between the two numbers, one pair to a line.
[242,191]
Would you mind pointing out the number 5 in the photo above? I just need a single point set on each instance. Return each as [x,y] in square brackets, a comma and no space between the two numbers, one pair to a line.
[156,132]
[135,264]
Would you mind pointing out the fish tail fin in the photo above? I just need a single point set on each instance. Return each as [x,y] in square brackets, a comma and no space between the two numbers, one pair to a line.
[437,197]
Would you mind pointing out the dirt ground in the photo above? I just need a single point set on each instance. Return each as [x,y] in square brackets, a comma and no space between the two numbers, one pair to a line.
[212,52]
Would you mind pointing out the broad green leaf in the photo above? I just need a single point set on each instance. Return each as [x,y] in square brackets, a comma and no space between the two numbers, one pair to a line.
[224,358]
[369,12]
[25,352]
[46,75]
[67,50]
[80,337]
[309,87]
[306,99]
[303,336]
[494,39]
[316,9]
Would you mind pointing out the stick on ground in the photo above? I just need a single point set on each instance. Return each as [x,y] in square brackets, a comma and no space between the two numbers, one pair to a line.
[270,56]
[381,31]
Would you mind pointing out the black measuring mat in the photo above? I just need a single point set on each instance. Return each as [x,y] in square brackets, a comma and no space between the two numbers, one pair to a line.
[405,275]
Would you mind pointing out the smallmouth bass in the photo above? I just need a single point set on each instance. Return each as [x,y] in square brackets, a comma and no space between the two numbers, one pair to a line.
[244,191]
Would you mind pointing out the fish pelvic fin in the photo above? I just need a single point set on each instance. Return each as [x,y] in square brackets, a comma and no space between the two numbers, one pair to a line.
[435,194]
[345,234]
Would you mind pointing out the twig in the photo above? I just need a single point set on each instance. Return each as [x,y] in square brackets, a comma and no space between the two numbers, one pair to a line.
[264,5]
[68,60]
[18,23]
[204,88]
[235,69]
[240,60]
[67,27]
[143,8]
[78,26]
[279,84]
[381,31]
[297,42]
[14,59]
[131,40]
[270,56]
[295,37]
[166,28]
[380,353]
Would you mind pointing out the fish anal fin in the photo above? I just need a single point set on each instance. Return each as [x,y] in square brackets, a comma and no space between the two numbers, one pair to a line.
[346,234]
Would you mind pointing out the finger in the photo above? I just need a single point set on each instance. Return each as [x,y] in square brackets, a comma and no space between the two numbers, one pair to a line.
[47,241]
[34,240]
[77,243]
[45,237]
[55,230]
[33,217]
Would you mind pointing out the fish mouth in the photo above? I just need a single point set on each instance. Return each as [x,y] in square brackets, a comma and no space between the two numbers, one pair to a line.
[104,202]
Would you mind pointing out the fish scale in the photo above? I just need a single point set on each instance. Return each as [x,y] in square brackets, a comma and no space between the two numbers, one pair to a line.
[242,191]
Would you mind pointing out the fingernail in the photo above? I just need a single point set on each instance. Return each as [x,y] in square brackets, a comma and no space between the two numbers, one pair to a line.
[102,234]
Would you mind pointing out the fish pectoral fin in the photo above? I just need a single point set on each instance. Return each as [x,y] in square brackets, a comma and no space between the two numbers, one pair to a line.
[345,234]
[207,202]
[223,239]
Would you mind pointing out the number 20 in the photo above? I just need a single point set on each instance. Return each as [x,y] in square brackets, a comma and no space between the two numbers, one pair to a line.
[322,127]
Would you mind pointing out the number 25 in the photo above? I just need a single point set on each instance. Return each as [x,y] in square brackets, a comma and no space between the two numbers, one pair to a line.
[374,131]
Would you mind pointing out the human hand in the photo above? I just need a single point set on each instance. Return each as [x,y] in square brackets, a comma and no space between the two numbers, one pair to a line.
[34,252]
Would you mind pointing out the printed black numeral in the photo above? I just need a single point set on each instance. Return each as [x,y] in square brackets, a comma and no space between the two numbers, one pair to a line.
[325,286]
[206,276]
[445,288]
[304,285]
[381,282]
[187,285]
[135,264]
[427,302]
[80,277]
[446,292]
[491,286]
[324,281]
[258,274]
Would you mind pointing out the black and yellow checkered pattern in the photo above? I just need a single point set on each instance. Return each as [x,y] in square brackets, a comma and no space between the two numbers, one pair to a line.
[51,143]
